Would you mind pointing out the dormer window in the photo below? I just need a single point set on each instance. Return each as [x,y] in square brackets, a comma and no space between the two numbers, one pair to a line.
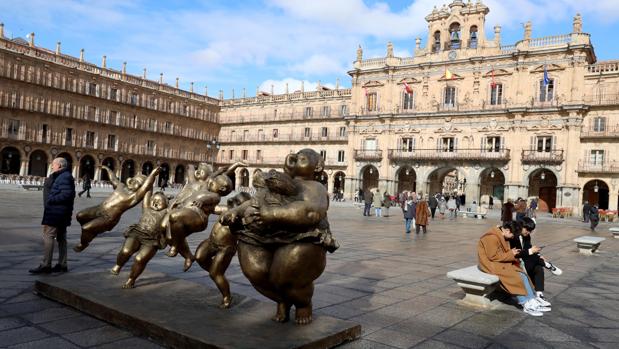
[473,37]
[437,41]
[454,35]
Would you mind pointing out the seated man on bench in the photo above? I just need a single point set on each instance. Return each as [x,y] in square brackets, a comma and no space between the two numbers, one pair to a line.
[496,257]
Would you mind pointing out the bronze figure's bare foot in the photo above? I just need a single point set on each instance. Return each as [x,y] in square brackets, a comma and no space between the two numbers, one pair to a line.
[79,248]
[226,302]
[188,263]
[303,316]
[172,252]
[115,270]
[282,314]
[129,284]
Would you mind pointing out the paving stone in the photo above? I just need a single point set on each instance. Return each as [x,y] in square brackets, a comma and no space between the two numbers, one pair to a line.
[7,323]
[364,344]
[395,338]
[20,335]
[432,344]
[130,343]
[50,315]
[72,324]
[47,343]
[96,336]
[464,339]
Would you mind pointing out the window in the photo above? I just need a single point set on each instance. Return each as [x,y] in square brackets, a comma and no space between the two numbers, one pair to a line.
[275,133]
[454,35]
[496,94]
[260,135]
[152,102]
[407,101]
[448,144]
[92,111]
[90,139]
[546,91]
[134,121]
[114,94]
[544,144]
[450,96]
[324,132]
[258,155]
[168,126]
[134,99]
[113,117]
[185,109]
[308,112]
[245,135]
[370,144]
[68,138]
[340,156]
[44,133]
[150,147]
[436,47]
[231,153]
[407,144]
[342,131]
[275,114]
[343,110]
[597,157]
[473,37]
[92,89]
[244,154]
[151,124]
[325,111]
[111,141]
[323,154]
[372,101]
[14,127]
[493,144]
[599,124]
[308,132]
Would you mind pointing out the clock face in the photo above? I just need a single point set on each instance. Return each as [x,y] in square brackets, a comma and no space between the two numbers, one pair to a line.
[452,55]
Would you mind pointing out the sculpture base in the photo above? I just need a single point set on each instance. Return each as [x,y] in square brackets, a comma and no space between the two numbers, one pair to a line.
[180,313]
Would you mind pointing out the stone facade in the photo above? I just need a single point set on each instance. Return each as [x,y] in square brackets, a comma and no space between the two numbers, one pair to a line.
[54,105]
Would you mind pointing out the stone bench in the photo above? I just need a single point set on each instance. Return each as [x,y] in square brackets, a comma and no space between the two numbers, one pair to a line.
[615,232]
[471,214]
[32,186]
[588,244]
[476,284]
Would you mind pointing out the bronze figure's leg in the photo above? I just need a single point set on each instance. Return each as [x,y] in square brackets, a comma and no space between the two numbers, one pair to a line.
[294,276]
[217,273]
[130,246]
[87,214]
[90,230]
[204,254]
[182,223]
[141,259]
[184,250]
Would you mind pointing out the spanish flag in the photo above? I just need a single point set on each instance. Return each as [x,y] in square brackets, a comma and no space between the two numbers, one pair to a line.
[407,88]
[448,74]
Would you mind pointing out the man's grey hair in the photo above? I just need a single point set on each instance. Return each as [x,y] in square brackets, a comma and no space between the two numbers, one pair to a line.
[62,162]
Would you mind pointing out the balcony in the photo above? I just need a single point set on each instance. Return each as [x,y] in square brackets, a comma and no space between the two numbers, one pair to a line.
[281,138]
[397,155]
[605,167]
[553,157]
[368,155]
[608,132]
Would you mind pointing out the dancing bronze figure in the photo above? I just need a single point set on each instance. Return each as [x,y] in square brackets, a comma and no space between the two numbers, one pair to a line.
[145,237]
[215,253]
[104,217]
[282,246]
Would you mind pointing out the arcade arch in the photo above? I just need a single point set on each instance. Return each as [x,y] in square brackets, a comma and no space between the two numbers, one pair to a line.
[127,170]
[67,157]
[87,167]
[369,177]
[37,165]
[11,160]
[109,163]
[543,185]
[491,186]
[179,174]
[339,181]
[244,173]
[406,178]
[596,191]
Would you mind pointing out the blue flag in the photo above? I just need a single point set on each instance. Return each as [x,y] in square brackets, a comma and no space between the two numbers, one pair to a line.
[546,78]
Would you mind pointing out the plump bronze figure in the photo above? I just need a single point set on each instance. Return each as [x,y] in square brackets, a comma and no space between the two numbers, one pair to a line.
[282,246]
[104,217]
[145,237]
[215,253]
[191,214]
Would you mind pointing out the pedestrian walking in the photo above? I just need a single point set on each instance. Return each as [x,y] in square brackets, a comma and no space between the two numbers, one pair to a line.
[409,211]
[387,203]
[368,198]
[378,203]
[594,216]
[586,211]
[86,185]
[421,214]
[442,206]
[433,203]
[58,209]
[451,206]
[521,209]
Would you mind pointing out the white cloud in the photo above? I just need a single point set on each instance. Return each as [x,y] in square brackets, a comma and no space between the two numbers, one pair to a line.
[318,64]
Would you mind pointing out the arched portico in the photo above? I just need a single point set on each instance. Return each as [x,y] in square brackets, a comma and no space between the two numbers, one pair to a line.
[87,167]
[407,179]
[492,186]
[369,177]
[38,163]
[543,185]
[110,163]
[179,174]
[596,191]
[128,170]
[11,160]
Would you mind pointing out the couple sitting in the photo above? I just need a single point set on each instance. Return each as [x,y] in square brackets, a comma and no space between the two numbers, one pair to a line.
[507,252]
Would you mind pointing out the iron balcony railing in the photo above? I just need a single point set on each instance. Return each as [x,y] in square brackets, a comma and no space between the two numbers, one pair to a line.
[368,155]
[606,132]
[542,157]
[449,154]
[586,166]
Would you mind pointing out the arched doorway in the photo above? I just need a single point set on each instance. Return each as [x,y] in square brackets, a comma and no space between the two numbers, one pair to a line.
[127,170]
[164,174]
[87,167]
[338,182]
[543,185]
[369,178]
[491,186]
[446,180]
[406,178]
[11,161]
[179,174]
[69,159]
[596,192]
[147,168]
[109,163]
[37,166]
[244,173]
[323,178]
[232,177]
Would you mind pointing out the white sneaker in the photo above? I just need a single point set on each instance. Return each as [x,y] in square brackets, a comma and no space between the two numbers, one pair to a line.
[543,309]
[531,308]
[542,302]
[553,269]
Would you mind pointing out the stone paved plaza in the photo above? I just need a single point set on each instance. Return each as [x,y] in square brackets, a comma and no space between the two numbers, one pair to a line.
[392,284]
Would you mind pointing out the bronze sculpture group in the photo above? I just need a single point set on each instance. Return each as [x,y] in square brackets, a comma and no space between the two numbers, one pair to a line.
[281,234]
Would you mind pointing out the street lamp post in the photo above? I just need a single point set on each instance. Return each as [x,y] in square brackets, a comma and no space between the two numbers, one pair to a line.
[213,146]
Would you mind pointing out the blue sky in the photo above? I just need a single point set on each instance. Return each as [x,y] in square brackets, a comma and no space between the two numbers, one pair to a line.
[229,45]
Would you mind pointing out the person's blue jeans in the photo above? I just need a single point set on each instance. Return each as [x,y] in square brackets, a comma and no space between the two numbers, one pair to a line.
[378,211]
[366,210]
[527,286]
[407,224]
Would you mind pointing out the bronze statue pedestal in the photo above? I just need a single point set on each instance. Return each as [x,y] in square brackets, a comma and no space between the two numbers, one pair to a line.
[180,313]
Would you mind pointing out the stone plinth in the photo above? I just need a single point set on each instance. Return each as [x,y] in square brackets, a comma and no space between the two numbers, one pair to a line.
[477,286]
[587,245]
[615,232]
[180,313]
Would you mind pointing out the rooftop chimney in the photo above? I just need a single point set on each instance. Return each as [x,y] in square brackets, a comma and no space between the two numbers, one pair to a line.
[31,39]
[104,62]
[81,55]
[124,68]
[161,78]
[191,87]
[58,47]
[176,82]
[1,30]
[206,91]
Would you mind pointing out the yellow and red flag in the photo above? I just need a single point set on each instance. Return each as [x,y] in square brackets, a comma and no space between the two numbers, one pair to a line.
[407,88]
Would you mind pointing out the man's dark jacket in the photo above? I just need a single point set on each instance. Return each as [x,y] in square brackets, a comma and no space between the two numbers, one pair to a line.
[530,260]
[59,203]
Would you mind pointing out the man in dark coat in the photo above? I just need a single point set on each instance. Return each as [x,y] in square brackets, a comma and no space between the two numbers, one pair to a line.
[507,212]
[368,198]
[57,217]
[433,202]
[85,186]
[586,212]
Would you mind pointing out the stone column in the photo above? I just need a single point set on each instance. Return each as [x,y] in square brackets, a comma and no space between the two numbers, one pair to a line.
[23,170]
[237,180]
[97,173]
[471,192]
[349,188]
[331,184]
[76,169]
[613,197]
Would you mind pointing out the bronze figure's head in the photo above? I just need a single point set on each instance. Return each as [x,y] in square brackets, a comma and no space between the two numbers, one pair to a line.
[305,163]
[136,182]
[159,201]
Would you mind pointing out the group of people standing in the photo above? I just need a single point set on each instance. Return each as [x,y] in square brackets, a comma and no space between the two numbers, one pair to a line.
[520,207]
[416,212]
[377,200]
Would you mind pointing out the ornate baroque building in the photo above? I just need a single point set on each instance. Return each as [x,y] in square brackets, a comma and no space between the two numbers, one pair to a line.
[52,104]
[466,114]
